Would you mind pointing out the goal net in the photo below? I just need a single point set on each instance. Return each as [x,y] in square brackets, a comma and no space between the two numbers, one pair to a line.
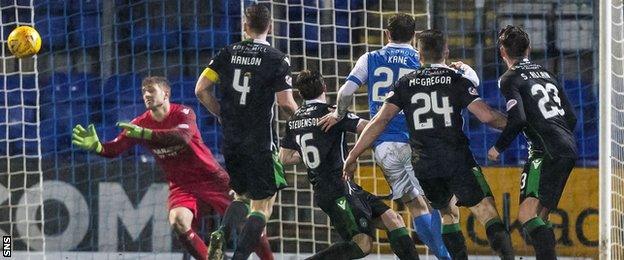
[21,203]
[611,129]
[329,36]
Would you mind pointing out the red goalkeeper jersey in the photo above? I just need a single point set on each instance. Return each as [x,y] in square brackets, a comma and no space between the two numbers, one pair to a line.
[176,144]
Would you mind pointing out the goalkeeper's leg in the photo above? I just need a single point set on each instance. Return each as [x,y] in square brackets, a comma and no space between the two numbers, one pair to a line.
[181,219]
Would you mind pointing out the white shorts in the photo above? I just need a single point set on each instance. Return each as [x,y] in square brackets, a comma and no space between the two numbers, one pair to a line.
[395,159]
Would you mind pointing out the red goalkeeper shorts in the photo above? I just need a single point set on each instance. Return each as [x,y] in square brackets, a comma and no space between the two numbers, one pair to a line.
[213,193]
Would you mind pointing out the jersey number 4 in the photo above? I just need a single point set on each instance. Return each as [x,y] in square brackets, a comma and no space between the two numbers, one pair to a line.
[244,88]
[547,93]
[430,103]
[311,156]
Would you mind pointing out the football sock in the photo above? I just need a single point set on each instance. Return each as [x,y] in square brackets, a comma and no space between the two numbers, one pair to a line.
[401,244]
[234,217]
[499,238]
[436,228]
[194,244]
[542,237]
[423,225]
[250,235]
[263,248]
[454,241]
[339,251]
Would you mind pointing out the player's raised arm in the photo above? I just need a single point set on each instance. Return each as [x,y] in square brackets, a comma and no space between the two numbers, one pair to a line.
[283,87]
[356,78]
[286,101]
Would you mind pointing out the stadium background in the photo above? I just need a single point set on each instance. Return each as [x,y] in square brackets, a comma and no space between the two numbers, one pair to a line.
[95,54]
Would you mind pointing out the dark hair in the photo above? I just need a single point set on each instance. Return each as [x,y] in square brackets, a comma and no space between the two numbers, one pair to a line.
[432,45]
[258,18]
[162,82]
[402,27]
[515,40]
[310,84]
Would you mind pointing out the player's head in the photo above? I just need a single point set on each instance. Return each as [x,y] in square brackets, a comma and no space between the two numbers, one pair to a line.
[432,46]
[310,84]
[514,43]
[156,92]
[257,20]
[401,28]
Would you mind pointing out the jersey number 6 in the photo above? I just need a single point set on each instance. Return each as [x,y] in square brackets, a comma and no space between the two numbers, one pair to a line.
[311,156]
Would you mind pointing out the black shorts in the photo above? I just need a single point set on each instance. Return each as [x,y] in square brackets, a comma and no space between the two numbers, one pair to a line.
[351,209]
[544,178]
[469,186]
[257,176]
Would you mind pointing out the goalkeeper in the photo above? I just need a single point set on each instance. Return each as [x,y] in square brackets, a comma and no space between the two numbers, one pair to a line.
[353,212]
[170,132]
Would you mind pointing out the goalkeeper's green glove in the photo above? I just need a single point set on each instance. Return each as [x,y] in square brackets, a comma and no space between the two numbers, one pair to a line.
[135,131]
[86,139]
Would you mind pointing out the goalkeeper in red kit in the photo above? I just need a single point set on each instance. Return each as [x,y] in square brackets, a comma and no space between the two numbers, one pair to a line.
[170,132]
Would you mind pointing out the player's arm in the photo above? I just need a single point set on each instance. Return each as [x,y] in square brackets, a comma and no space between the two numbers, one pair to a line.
[369,135]
[487,114]
[204,90]
[181,134]
[282,86]
[289,156]
[288,149]
[286,101]
[88,140]
[516,119]
[357,77]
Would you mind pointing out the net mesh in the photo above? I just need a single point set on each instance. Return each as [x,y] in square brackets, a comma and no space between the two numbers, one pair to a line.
[20,175]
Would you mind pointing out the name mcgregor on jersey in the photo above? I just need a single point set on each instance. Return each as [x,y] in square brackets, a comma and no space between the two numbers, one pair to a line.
[430,81]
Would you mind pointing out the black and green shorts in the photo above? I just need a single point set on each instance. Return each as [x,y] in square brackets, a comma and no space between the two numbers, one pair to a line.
[544,178]
[468,185]
[351,209]
[257,176]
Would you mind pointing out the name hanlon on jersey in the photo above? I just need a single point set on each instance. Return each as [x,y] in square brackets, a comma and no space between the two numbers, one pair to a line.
[302,123]
[430,81]
[245,60]
[536,75]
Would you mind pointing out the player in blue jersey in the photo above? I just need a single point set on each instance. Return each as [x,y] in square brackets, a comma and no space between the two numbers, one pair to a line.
[379,70]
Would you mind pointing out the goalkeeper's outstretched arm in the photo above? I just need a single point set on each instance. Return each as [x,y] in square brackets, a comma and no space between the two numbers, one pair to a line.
[88,140]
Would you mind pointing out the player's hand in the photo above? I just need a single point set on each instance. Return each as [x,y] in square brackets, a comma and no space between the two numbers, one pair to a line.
[457,65]
[329,120]
[493,154]
[349,168]
[86,139]
[135,131]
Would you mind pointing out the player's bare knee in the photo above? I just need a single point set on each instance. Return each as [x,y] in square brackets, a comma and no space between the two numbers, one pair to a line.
[450,214]
[418,206]
[180,220]
[392,220]
[485,210]
[529,208]
[363,241]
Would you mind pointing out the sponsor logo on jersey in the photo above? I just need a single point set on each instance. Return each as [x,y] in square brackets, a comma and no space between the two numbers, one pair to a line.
[473,91]
[342,203]
[536,163]
[511,103]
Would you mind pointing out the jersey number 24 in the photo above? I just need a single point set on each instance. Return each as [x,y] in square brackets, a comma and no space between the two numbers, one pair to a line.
[429,104]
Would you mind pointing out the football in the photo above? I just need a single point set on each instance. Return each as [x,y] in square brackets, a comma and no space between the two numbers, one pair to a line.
[24,41]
